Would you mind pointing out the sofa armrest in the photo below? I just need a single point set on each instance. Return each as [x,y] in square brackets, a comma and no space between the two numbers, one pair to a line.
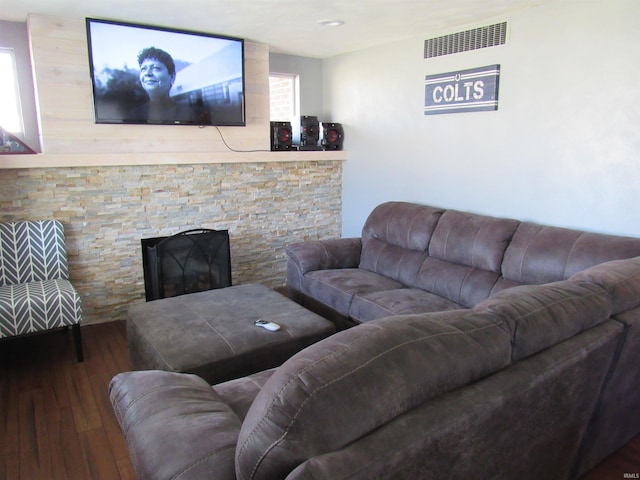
[175,425]
[325,254]
[303,257]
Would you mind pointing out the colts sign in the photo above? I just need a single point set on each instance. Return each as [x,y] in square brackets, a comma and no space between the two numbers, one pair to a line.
[464,91]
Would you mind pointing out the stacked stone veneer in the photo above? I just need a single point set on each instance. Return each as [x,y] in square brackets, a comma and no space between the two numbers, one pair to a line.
[107,210]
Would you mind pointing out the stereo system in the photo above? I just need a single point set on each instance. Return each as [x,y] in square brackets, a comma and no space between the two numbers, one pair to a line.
[281,136]
[309,133]
[332,135]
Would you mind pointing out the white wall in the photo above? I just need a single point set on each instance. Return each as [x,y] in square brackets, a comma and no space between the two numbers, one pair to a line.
[562,149]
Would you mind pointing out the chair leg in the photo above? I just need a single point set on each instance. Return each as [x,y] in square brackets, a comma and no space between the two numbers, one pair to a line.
[77,337]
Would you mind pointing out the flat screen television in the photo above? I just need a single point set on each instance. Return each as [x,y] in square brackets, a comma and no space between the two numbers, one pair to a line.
[151,75]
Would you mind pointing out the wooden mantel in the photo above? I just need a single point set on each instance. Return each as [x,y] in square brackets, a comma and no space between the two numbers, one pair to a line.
[43,160]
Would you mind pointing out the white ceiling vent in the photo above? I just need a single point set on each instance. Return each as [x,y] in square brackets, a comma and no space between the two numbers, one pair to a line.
[481,37]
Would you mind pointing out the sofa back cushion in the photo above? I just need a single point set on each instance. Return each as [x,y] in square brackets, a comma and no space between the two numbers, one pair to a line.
[465,255]
[620,278]
[348,385]
[395,239]
[541,316]
[539,254]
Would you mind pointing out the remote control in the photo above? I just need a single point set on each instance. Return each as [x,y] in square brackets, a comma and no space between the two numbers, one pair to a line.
[271,326]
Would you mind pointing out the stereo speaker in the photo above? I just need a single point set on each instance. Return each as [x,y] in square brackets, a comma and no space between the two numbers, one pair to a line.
[281,136]
[309,133]
[333,136]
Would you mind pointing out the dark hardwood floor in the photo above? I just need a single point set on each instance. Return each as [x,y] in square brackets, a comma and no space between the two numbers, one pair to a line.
[56,420]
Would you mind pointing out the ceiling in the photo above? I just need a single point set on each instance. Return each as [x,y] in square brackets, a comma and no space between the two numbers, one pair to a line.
[288,26]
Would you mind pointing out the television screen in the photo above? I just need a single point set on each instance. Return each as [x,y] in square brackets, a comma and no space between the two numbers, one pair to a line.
[150,75]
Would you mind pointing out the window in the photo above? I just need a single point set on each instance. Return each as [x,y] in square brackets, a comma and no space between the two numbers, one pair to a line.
[10,111]
[284,100]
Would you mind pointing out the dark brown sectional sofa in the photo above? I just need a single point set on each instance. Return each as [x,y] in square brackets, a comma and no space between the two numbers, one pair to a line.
[480,348]
[416,258]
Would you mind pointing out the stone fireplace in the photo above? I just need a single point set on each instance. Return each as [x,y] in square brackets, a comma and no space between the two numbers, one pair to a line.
[107,210]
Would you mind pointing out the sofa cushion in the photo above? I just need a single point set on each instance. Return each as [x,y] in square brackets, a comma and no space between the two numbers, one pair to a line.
[359,379]
[395,239]
[541,316]
[407,225]
[540,254]
[398,263]
[465,256]
[175,425]
[336,288]
[476,241]
[370,306]
[460,284]
[621,278]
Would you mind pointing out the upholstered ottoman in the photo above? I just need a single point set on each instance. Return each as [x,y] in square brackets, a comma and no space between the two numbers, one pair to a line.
[213,333]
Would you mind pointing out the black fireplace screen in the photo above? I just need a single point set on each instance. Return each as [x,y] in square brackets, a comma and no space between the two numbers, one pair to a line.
[187,262]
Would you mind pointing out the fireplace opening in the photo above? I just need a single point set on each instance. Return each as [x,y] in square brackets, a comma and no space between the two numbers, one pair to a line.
[187,262]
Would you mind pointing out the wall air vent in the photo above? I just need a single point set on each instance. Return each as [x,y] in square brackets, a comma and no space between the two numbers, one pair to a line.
[481,37]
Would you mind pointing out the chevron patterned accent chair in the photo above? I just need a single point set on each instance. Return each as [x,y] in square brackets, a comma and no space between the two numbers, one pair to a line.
[35,292]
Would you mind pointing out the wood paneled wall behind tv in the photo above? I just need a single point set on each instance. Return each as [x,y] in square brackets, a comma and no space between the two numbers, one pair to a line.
[70,137]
